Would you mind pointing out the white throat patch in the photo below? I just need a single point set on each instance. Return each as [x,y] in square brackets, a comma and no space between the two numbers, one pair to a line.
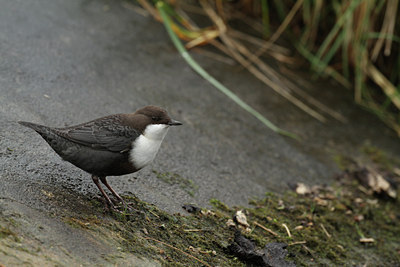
[146,146]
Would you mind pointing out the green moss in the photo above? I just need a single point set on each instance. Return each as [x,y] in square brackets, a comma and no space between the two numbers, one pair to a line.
[320,234]
[379,157]
[152,233]
[6,232]
[26,250]
[371,156]
[82,222]
[219,205]
[343,162]
[175,179]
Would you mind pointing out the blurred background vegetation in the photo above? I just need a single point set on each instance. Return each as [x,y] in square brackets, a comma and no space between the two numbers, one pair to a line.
[355,42]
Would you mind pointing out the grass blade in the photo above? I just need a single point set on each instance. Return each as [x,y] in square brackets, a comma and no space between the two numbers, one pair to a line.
[161,6]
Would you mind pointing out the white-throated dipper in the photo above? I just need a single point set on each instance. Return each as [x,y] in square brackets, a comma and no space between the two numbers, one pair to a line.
[113,145]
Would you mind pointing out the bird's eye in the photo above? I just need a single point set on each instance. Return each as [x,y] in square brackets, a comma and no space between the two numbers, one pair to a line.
[156,118]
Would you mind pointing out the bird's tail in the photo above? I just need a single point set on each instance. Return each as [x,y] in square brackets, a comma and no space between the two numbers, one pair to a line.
[50,135]
[41,129]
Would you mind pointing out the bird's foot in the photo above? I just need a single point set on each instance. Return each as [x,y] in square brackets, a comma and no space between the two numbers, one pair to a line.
[120,207]
[128,208]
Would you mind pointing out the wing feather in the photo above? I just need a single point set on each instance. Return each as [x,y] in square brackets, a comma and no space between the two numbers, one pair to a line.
[102,134]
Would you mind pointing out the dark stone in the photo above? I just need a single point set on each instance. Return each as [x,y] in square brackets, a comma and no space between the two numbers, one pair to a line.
[272,255]
[191,208]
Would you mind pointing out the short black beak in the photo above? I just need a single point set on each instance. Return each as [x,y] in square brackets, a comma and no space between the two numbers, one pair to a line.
[174,123]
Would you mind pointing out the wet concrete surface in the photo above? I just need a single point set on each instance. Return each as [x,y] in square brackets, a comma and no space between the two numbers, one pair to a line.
[67,62]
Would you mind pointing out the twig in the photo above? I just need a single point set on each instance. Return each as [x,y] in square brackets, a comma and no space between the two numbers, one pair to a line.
[170,246]
[341,247]
[292,86]
[202,39]
[298,243]
[308,250]
[278,32]
[255,24]
[192,8]
[387,28]
[138,10]
[367,240]
[155,215]
[192,230]
[266,229]
[153,11]
[215,56]
[221,47]
[287,229]
[257,41]
[325,231]
[390,29]
[388,88]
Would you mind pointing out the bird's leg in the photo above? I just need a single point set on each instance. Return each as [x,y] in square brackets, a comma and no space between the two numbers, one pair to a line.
[104,181]
[96,181]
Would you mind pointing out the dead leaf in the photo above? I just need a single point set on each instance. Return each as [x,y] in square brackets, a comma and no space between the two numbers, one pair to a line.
[207,212]
[321,202]
[230,223]
[281,205]
[241,219]
[358,200]
[359,218]
[302,189]
[373,180]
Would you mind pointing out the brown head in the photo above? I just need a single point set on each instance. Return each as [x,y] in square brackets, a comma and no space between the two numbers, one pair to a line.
[148,115]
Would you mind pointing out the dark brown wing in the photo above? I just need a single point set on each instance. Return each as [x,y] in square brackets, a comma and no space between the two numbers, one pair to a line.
[104,134]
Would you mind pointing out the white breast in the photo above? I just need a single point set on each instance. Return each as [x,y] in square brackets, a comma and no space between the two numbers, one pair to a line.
[146,146]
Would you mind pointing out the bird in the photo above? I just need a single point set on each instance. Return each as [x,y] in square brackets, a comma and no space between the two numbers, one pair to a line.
[113,145]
